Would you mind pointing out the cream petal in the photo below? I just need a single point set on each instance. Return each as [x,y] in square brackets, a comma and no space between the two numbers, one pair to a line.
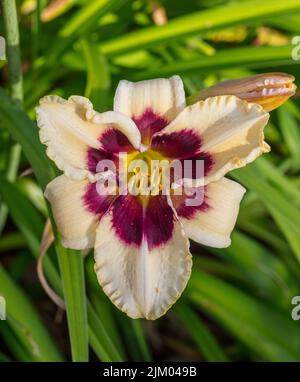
[70,127]
[213,226]
[75,223]
[230,131]
[124,124]
[142,283]
[163,96]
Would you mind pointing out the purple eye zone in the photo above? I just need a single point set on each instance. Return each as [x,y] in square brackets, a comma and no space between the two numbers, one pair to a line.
[133,224]
[96,203]
[150,123]
[153,222]
[183,145]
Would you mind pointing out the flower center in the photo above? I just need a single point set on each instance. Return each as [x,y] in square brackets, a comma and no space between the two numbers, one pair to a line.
[145,172]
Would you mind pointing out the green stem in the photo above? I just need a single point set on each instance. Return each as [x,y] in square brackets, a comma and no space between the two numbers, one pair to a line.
[36,29]
[13,49]
[10,18]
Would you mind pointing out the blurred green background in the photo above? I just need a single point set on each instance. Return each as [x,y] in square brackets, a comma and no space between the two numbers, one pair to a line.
[237,306]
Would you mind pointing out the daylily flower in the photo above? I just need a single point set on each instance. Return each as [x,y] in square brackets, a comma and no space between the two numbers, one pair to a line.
[141,244]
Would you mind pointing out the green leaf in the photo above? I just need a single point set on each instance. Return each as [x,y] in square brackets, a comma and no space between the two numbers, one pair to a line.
[270,333]
[27,220]
[200,22]
[291,135]
[88,15]
[98,77]
[102,308]
[34,193]
[138,331]
[284,212]
[273,175]
[72,271]
[14,345]
[259,267]
[204,340]
[12,241]
[25,321]
[248,57]
[104,348]
[25,132]
[83,22]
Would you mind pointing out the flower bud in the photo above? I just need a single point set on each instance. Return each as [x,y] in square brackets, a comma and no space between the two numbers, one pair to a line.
[270,90]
